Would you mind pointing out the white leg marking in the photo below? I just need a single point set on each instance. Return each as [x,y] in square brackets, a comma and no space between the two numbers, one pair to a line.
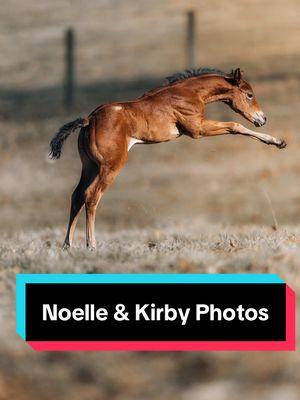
[263,137]
[174,132]
[133,141]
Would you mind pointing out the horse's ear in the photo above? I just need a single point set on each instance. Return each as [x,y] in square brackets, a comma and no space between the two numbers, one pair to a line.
[237,76]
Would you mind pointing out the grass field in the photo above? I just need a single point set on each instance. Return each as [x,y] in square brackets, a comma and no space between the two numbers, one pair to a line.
[227,204]
[187,248]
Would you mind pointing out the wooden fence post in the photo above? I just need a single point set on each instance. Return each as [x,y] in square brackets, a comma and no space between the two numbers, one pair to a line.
[69,78]
[191,40]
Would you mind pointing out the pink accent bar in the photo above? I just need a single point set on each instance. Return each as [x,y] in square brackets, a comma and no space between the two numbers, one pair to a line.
[288,345]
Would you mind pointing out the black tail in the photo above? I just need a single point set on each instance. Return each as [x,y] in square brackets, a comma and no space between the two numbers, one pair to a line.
[64,132]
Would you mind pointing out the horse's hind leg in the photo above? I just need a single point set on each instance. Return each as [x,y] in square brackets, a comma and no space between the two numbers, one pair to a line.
[92,198]
[77,202]
[93,195]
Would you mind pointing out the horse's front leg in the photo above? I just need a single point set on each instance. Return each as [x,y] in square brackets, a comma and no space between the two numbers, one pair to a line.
[214,128]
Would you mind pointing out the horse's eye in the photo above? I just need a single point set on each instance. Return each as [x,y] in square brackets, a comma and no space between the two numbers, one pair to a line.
[249,96]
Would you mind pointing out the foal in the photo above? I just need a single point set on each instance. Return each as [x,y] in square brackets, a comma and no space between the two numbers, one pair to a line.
[160,115]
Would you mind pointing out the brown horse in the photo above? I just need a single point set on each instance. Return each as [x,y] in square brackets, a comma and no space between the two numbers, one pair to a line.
[160,115]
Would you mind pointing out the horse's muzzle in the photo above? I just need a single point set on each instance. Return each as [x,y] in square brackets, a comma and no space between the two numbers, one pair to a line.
[259,118]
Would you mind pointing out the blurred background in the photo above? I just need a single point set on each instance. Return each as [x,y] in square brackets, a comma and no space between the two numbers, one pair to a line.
[227,204]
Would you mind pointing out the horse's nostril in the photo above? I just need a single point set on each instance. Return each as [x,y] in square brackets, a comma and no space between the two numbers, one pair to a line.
[261,118]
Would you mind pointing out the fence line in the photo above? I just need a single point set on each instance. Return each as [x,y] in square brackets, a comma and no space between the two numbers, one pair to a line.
[69,83]
[69,78]
[191,39]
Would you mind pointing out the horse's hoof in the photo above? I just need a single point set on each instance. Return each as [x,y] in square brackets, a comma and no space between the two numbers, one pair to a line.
[282,144]
[65,247]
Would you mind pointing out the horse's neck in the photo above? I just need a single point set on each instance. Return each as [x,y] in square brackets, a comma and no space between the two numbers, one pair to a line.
[213,88]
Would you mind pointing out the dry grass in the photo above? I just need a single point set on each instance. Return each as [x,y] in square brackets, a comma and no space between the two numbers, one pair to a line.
[190,247]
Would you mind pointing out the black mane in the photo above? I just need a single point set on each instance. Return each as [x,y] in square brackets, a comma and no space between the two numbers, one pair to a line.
[188,73]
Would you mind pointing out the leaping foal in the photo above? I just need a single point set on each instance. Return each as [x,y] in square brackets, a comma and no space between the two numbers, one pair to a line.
[160,115]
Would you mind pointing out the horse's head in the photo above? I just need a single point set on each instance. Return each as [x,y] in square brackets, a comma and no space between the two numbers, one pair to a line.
[243,99]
